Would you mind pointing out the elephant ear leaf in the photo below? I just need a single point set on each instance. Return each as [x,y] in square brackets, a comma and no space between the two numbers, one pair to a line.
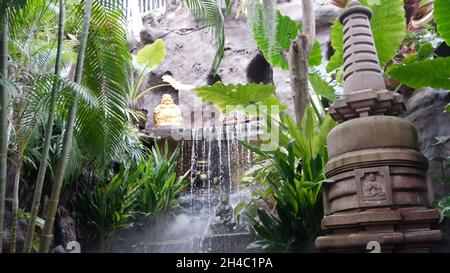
[315,59]
[337,42]
[388,27]
[429,73]
[152,55]
[442,18]
[238,96]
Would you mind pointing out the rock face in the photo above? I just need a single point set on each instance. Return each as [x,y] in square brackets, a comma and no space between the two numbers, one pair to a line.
[425,110]
[191,50]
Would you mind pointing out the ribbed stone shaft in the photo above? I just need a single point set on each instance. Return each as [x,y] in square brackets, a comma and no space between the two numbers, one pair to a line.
[361,67]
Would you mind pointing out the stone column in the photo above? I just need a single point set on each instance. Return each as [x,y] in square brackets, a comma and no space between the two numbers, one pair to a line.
[379,189]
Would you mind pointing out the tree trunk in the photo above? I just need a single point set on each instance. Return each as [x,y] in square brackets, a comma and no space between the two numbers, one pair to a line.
[48,135]
[4,96]
[15,205]
[67,140]
[298,61]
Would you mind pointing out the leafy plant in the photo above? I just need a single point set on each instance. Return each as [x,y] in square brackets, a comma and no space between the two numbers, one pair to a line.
[442,18]
[48,134]
[337,42]
[388,27]
[286,30]
[321,87]
[108,207]
[39,223]
[300,163]
[145,191]
[433,73]
[443,205]
[146,59]
[68,134]
[249,96]
[156,186]
[287,45]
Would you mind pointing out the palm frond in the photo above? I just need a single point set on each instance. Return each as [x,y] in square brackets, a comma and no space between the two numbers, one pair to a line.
[210,13]
[106,74]
[25,14]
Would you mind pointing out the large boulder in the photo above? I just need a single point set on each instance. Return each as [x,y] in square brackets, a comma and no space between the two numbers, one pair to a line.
[425,108]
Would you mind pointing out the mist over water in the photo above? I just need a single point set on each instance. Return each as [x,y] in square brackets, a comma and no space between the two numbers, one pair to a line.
[216,161]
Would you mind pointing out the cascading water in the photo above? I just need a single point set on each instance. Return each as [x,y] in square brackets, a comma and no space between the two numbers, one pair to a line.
[205,221]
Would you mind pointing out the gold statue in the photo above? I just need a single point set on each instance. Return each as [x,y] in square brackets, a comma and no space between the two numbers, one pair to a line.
[167,113]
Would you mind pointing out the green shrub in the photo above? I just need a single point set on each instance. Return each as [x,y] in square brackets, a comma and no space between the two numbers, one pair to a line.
[300,162]
[147,191]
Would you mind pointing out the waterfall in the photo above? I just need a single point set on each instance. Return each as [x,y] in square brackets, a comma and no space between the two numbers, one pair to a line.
[195,227]
[229,157]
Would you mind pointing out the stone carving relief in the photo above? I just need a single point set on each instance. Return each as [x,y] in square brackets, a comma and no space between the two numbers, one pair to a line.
[374,186]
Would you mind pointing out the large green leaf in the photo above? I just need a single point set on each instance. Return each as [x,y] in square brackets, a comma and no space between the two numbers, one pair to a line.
[316,57]
[442,18]
[152,55]
[429,73]
[388,27]
[106,73]
[286,31]
[226,97]
[321,87]
[337,42]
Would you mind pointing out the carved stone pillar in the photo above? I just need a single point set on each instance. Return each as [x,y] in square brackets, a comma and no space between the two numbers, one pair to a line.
[379,189]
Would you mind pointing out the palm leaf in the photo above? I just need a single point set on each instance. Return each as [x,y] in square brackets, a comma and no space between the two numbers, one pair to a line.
[106,75]
[211,15]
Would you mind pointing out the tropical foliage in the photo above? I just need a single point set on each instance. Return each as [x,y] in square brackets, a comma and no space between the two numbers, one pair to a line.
[389,29]
[107,207]
[146,59]
[69,91]
[146,191]
[293,171]
[41,101]
[156,185]
[442,18]
[300,162]
[276,44]
[250,98]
